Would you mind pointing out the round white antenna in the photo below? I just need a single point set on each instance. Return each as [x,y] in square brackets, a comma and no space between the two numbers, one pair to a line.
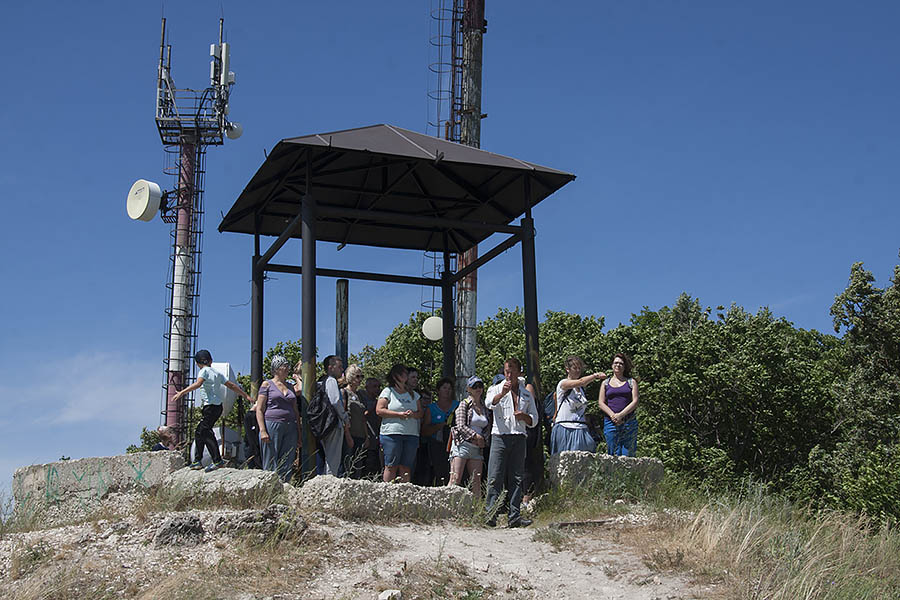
[143,200]
[233,131]
[433,328]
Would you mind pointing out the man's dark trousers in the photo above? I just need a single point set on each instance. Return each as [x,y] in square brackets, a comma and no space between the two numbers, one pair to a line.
[506,468]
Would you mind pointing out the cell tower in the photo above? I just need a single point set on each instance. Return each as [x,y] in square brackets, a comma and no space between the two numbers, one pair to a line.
[457,29]
[188,122]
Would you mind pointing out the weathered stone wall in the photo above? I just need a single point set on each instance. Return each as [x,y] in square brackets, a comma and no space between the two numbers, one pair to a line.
[87,479]
[360,499]
[574,468]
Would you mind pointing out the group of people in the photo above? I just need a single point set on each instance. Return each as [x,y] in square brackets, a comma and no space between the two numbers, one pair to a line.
[398,432]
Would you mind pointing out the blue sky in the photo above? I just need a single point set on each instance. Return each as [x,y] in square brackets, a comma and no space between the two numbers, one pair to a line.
[740,152]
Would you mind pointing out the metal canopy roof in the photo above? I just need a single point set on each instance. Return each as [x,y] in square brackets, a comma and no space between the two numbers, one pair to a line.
[386,186]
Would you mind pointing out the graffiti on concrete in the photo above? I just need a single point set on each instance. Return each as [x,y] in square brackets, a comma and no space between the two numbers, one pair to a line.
[140,470]
[51,485]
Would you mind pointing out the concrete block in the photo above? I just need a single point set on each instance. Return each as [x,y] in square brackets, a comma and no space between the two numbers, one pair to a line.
[88,479]
[572,468]
[225,484]
[361,499]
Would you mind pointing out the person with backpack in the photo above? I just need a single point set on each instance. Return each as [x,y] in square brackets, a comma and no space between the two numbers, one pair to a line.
[570,429]
[618,401]
[333,440]
[400,410]
[470,432]
[277,414]
[209,394]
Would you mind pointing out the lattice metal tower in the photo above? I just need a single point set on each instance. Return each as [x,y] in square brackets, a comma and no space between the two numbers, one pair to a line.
[188,121]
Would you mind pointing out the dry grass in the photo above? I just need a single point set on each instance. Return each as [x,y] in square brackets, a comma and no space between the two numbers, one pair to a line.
[435,579]
[775,551]
[283,563]
[169,500]
[753,547]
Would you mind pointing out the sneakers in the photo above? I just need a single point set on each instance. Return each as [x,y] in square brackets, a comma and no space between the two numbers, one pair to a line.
[214,466]
[196,466]
[520,523]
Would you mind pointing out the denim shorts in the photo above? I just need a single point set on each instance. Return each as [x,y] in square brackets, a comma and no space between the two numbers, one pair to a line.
[400,450]
[466,450]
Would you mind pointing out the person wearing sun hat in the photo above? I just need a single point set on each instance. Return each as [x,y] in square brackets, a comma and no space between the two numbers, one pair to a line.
[277,415]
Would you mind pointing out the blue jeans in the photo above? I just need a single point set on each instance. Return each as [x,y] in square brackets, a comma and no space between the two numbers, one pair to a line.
[621,440]
[400,450]
[506,468]
[279,452]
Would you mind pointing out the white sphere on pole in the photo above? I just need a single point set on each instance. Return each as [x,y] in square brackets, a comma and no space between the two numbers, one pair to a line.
[433,328]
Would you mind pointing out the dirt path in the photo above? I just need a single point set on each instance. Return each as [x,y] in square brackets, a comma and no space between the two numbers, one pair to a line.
[496,558]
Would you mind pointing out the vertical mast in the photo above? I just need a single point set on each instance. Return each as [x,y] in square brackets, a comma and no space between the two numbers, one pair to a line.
[473,27]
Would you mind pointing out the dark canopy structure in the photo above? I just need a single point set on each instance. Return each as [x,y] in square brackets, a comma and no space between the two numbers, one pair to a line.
[386,186]
[390,187]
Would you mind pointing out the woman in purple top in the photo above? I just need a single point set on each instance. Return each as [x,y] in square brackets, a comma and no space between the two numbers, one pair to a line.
[277,416]
[618,401]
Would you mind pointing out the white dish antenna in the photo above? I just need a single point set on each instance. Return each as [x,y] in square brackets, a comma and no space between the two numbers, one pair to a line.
[143,200]
[233,131]
[433,328]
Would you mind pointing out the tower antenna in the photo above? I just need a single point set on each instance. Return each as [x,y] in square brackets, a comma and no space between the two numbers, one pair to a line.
[188,122]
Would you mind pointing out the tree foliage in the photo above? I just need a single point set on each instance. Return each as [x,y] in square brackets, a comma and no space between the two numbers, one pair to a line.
[857,465]
[726,395]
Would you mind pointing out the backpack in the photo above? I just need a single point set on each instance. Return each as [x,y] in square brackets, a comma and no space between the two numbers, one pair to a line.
[320,414]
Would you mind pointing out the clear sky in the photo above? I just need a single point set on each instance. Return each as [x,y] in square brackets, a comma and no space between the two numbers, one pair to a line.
[741,152]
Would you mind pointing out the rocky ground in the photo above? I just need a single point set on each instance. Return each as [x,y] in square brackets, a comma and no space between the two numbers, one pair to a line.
[319,542]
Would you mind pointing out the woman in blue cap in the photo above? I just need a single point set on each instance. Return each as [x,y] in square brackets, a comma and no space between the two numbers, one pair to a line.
[471,431]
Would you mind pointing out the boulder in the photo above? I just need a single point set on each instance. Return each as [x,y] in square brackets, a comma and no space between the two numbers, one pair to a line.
[360,499]
[275,522]
[180,530]
[573,468]
[224,485]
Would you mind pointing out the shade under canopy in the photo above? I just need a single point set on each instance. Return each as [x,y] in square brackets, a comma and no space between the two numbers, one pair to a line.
[386,186]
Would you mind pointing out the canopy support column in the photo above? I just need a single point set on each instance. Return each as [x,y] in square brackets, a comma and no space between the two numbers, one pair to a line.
[256,327]
[342,320]
[534,458]
[529,281]
[308,329]
[447,318]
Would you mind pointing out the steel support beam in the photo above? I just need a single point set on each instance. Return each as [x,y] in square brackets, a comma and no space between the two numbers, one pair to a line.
[363,275]
[447,318]
[490,255]
[256,328]
[281,241]
[308,326]
[342,320]
[417,220]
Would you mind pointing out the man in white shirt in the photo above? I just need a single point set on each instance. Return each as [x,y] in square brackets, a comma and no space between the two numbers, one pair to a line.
[333,442]
[512,402]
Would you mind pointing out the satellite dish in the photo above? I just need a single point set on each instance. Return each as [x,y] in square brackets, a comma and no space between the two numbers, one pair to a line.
[433,328]
[143,200]
[233,131]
